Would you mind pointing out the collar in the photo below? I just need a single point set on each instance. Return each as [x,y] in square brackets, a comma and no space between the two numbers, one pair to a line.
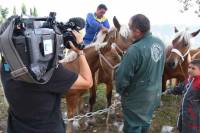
[100,19]
[148,33]
[145,35]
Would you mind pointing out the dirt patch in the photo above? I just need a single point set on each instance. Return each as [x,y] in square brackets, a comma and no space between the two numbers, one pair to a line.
[3,114]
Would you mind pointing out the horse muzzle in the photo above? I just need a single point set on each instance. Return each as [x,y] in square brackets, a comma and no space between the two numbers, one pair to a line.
[172,64]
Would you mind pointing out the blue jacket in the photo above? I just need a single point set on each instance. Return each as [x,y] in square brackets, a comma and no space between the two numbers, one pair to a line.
[93,26]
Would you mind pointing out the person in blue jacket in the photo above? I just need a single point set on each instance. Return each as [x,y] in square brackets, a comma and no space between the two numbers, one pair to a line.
[94,23]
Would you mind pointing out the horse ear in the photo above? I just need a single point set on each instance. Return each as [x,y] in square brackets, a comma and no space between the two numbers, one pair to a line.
[116,23]
[195,33]
[175,29]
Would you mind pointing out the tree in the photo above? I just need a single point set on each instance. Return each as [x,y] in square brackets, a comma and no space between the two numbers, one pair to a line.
[31,12]
[1,19]
[23,8]
[14,11]
[3,14]
[191,4]
[35,12]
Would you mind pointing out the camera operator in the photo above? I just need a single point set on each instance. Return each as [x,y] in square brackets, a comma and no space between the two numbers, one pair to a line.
[35,108]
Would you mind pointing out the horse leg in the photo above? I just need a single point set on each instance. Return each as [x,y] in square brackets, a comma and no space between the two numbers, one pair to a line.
[92,98]
[164,81]
[83,124]
[92,101]
[80,105]
[71,111]
[109,87]
[111,113]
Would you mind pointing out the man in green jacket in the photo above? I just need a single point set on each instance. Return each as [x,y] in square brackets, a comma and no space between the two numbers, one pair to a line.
[139,76]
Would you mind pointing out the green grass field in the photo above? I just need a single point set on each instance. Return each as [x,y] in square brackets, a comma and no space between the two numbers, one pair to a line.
[164,115]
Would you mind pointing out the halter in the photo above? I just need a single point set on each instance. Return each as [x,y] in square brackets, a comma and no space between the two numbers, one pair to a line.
[117,49]
[174,50]
[113,68]
[115,46]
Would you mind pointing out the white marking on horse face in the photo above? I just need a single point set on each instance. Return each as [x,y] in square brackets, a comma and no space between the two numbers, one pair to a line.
[124,31]
[175,62]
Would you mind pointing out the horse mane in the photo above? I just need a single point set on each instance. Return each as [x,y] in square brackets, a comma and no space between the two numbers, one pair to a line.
[185,35]
[98,46]
[100,37]
[70,55]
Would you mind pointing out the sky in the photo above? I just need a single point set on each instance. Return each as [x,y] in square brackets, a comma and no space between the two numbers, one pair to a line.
[158,11]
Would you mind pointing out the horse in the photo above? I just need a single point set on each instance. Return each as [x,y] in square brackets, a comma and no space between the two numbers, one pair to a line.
[178,56]
[74,97]
[109,61]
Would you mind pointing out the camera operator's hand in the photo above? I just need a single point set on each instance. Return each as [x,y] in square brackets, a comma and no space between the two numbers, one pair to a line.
[79,37]
[73,47]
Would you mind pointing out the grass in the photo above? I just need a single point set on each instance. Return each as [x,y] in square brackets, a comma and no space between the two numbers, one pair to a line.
[166,114]
[3,113]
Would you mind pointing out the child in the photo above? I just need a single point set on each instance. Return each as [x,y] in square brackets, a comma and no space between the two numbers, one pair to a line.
[189,117]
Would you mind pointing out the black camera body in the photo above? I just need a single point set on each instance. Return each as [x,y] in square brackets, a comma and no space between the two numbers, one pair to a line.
[67,28]
[38,47]
[40,42]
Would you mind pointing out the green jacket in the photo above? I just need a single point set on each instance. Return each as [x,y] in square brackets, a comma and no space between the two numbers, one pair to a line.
[139,77]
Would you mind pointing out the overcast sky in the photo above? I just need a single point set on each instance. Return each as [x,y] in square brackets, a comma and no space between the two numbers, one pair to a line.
[158,11]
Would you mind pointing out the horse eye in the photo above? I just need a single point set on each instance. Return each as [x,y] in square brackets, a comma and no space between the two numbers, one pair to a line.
[193,68]
[185,44]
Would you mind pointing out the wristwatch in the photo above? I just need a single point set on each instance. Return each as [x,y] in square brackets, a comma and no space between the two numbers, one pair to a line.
[81,52]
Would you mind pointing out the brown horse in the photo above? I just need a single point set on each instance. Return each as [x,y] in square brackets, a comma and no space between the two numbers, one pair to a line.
[110,60]
[74,97]
[178,56]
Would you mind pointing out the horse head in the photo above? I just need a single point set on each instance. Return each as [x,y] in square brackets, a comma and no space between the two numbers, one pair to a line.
[121,38]
[180,48]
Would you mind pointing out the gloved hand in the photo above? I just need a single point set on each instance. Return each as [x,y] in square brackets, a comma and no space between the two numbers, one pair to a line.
[104,29]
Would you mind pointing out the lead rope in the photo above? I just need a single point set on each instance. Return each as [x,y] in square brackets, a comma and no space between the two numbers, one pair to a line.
[188,60]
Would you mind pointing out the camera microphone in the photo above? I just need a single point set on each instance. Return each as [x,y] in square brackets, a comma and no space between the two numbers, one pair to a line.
[79,23]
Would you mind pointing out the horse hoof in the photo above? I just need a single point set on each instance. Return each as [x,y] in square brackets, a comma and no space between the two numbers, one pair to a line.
[91,121]
[84,126]
[112,112]
[120,128]
[76,125]
[69,130]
